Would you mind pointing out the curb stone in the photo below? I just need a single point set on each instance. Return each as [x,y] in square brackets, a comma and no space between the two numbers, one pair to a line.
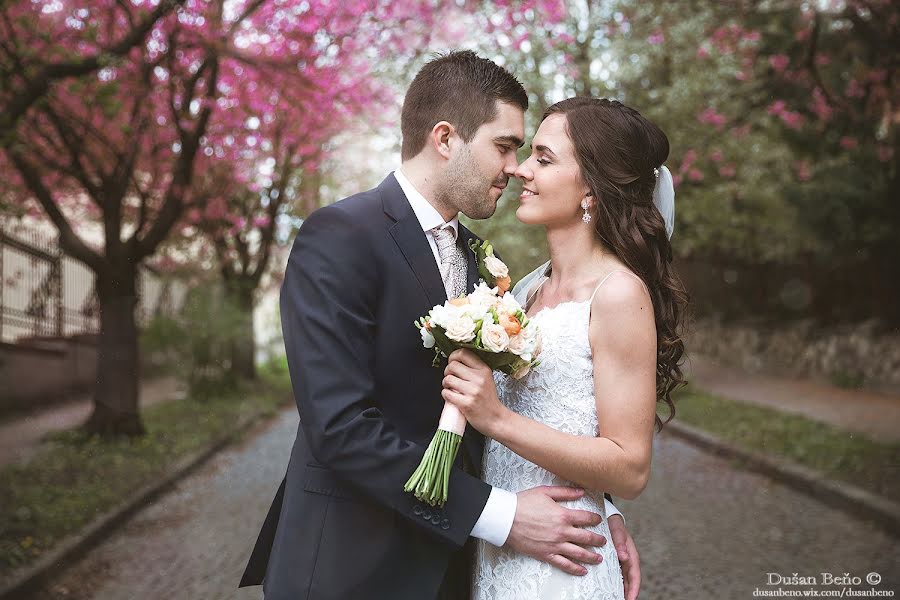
[73,547]
[838,494]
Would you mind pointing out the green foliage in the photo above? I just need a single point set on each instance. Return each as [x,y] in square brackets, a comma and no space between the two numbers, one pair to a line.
[753,185]
[836,453]
[196,344]
[77,477]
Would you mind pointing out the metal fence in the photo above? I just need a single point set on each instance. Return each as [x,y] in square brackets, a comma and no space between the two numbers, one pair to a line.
[44,292]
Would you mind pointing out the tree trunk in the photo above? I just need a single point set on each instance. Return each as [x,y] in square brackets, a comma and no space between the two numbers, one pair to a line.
[116,395]
[243,345]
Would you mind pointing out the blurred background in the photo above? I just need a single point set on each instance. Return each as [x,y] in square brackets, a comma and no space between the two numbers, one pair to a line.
[158,156]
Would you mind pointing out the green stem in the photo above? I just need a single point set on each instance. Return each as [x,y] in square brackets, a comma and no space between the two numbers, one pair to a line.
[430,482]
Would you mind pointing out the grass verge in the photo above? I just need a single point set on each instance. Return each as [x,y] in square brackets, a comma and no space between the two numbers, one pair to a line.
[839,454]
[75,477]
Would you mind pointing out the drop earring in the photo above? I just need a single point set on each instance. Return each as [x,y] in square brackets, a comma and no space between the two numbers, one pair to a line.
[586,217]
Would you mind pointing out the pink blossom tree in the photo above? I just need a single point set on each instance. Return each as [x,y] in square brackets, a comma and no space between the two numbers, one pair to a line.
[111,155]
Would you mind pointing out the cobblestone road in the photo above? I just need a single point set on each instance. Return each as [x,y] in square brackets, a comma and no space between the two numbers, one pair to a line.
[705,530]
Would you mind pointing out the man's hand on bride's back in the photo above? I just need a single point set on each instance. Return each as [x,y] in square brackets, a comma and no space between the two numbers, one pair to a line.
[547,531]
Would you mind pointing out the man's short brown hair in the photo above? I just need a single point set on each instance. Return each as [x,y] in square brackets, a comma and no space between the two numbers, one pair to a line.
[461,88]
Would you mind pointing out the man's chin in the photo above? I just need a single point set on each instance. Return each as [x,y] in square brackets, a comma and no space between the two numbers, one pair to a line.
[482,212]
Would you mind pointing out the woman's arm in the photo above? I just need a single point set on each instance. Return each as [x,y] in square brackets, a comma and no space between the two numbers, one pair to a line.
[623,342]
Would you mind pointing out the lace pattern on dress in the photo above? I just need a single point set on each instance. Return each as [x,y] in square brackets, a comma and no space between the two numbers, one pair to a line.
[560,394]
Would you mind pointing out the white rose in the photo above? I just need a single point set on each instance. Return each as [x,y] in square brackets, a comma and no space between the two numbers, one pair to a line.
[494,337]
[440,315]
[482,295]
[509,304]
[460,328]
[517,344]
[427,338]
[495,266]
[476,312]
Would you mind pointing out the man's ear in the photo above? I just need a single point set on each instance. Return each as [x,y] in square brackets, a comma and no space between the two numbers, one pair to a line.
[440,137]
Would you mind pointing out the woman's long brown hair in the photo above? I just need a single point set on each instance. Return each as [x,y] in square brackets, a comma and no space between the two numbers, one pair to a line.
[617,150]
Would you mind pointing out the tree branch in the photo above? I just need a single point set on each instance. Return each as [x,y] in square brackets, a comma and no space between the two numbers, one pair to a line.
[68,239]
[39,85]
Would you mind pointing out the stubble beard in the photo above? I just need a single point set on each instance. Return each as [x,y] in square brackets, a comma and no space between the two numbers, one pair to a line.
[464,190]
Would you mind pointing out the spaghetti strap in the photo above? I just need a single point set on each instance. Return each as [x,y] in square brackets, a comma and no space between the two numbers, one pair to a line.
[608,275]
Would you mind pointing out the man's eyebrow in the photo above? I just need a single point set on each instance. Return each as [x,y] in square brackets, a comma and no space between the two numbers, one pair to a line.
[543,148]
[510,139]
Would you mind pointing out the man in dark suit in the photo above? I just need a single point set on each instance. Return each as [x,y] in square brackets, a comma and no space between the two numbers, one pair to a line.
[360,272]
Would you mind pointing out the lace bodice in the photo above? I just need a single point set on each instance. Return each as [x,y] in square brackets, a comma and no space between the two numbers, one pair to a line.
[559,392]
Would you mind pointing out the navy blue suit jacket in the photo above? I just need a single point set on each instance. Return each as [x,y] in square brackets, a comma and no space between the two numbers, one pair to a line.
[341,526]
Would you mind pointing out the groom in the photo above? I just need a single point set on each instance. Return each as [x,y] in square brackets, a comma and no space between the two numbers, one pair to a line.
[360,272]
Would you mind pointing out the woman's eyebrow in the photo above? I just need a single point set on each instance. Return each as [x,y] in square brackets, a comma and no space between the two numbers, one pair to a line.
[543,148]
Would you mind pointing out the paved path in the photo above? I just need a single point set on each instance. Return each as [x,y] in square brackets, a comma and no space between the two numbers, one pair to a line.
[20,436]
[874,414]
[705,529]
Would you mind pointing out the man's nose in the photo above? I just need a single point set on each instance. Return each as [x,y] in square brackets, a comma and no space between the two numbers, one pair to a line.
[510,166]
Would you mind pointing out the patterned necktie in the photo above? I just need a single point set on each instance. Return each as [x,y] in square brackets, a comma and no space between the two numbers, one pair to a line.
[453,259]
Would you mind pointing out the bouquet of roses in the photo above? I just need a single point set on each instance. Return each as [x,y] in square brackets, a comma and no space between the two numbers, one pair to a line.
[489,322]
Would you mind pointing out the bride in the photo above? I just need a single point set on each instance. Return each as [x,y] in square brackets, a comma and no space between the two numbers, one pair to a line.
[609,307]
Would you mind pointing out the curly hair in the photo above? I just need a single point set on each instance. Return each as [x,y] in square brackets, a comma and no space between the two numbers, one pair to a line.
[617,151]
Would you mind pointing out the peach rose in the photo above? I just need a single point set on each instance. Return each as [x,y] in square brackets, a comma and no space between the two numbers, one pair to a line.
[503,283]
[510,324]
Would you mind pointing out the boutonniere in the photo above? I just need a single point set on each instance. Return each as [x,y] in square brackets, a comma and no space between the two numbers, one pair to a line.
[491,269]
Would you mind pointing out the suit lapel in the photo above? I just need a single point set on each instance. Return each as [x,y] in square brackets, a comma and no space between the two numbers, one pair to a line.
[409,237]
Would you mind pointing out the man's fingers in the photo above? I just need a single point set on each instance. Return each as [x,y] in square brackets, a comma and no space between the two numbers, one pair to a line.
[564,564]
[583,537]
[560,492]
[583,518]
[578,554]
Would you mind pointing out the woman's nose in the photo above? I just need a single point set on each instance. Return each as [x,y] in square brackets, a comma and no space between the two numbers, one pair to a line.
[522,171]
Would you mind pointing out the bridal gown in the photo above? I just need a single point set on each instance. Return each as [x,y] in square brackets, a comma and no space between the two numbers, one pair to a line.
[558,393]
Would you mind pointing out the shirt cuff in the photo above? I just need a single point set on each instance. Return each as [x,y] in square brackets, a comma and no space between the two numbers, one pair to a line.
[612,510]
[496,519]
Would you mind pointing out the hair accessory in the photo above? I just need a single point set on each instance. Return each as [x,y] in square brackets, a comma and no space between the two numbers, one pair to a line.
[664,198]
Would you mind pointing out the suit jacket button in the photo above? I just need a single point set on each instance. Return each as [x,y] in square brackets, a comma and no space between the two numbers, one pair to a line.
[417,509]
[445,524]
[426,515]
[436,520]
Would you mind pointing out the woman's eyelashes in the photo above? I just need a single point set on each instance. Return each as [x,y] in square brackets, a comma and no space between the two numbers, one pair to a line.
[543,161]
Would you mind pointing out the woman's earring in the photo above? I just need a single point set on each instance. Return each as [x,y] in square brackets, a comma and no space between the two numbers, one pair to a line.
[586,217]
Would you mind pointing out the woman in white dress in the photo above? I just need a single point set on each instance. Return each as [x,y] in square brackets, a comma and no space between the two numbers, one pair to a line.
[609,307]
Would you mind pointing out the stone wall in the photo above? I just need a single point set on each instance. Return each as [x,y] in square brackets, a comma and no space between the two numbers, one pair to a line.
[865,354]
[44,370]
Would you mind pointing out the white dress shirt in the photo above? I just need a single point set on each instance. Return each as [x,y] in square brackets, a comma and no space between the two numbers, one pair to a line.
[496,519]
